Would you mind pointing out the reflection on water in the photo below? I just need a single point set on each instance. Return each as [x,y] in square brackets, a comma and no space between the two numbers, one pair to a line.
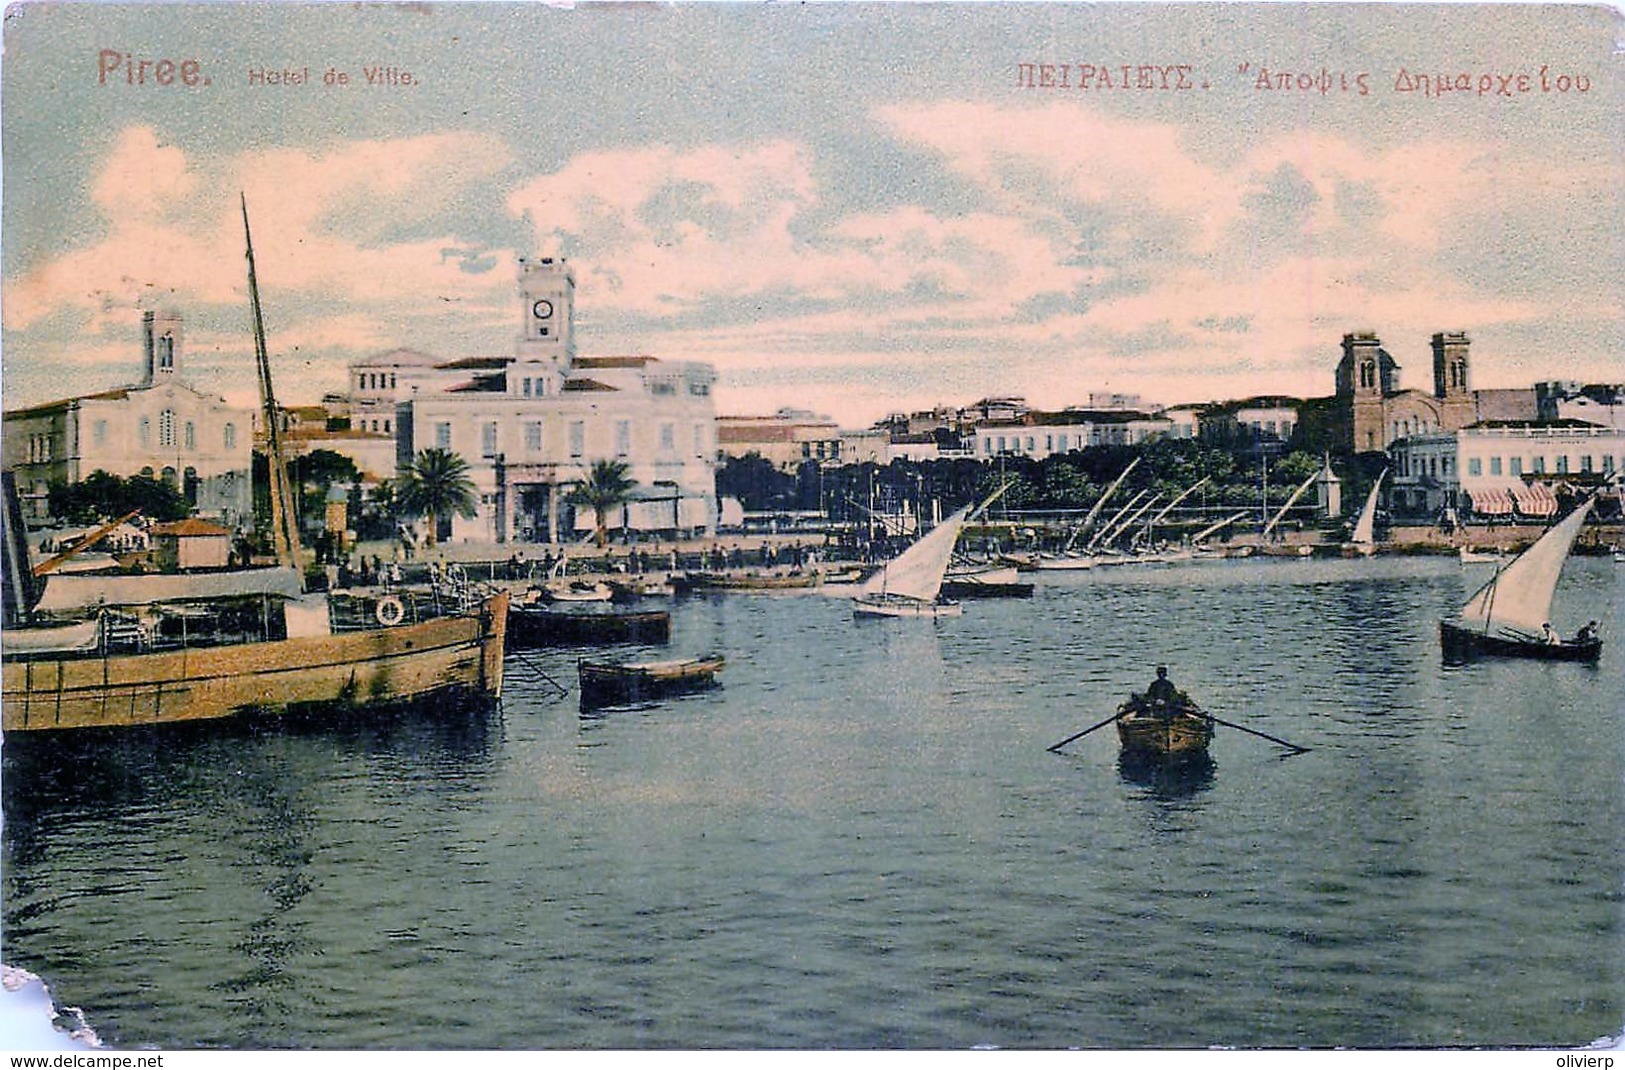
[861,840]
[1167,778]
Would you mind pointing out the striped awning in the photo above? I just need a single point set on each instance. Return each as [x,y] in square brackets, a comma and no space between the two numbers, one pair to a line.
[1491,500]
[1535,499]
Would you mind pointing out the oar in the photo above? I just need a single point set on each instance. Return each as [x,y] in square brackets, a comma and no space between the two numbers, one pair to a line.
[1262,735]
[1086,731]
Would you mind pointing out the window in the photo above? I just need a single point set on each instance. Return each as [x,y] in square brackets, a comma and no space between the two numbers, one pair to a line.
[1608,463]
[1585,463]
[623,437]
[488,440]
[99,432]
[668,437]
[1495,466]
[392,380]
[527,386]
[578,438]
[533,436]
[1540,465]
[166,427]
[191,435]
[228,436]
[144,431]
[442,435]
[700,440]
[1563,464]
[1475,467]
[1517,466]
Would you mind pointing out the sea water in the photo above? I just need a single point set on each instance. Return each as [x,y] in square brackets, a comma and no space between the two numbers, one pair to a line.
[861,840]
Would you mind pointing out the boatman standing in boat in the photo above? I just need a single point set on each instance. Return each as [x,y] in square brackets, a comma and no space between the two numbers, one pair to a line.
[1162,691]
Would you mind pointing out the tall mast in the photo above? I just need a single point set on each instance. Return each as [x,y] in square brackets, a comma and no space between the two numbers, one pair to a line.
[284,518]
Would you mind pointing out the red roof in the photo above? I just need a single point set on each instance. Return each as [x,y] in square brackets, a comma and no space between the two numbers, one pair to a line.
[581,385]
[190,528]
[615,362]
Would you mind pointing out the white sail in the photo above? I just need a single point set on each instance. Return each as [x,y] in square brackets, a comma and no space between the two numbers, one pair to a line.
[1290,502]
[1211,528]
[917,572]
[1089,521]
[1518,598]
[1365,529]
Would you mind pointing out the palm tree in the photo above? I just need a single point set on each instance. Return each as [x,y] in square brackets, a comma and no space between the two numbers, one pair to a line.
[434,485]
[606,487]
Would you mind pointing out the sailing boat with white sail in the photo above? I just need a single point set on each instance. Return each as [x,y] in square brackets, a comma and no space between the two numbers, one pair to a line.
[1363,542]
[1510,615]
[910,584]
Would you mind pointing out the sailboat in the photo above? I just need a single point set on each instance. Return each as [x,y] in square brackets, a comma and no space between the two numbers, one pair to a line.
[1509,615]
[910,584]
[1067,559]
[1270,549]
[1363,541]
[257,652]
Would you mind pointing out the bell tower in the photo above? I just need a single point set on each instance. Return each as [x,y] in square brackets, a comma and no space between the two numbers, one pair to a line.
[1365,376]
[160,347]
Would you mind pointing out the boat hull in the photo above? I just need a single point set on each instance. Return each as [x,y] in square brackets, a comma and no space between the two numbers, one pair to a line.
[609,684]
[1179,734]
[891,605]
[980,589]
[532,626]
[451,656]
[718,581]
[1463,644]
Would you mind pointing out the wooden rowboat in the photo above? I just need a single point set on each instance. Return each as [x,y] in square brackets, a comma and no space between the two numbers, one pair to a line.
[1173,731]
[617,683]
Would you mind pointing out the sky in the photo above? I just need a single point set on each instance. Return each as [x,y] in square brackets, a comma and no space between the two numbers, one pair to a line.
[851,209]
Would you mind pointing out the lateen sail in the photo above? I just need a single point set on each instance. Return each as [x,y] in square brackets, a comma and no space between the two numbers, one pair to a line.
[1518,598]
[917,572]
[1290,502]
[1365,529]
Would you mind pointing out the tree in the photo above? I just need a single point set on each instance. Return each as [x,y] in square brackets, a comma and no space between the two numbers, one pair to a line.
[318,470]
[436,485]
[607,486]
[101,496]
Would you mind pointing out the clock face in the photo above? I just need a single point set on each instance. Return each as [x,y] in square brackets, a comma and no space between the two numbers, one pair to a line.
[542,309]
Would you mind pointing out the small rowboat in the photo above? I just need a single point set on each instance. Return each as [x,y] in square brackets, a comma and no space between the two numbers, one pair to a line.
[1169,731]
[616,683]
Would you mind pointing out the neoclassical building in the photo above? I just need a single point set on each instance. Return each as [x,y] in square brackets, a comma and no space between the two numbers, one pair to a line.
[160,427]
[1379,412]
[532,424]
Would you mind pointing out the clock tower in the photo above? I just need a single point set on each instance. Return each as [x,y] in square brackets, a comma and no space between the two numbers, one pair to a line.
[547,291]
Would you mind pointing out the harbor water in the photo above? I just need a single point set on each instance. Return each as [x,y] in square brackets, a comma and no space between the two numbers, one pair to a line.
[861,840]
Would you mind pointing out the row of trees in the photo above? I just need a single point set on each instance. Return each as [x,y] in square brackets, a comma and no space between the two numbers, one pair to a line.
[1237,478]
[436,487]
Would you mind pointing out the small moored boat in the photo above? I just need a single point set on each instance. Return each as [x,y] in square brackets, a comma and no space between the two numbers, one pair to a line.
[534,625]
[616,683]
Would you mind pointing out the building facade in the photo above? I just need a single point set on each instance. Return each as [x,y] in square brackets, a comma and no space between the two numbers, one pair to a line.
[532,424]
[1502,469]
[1041,434]
[788,438]
[162,428]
